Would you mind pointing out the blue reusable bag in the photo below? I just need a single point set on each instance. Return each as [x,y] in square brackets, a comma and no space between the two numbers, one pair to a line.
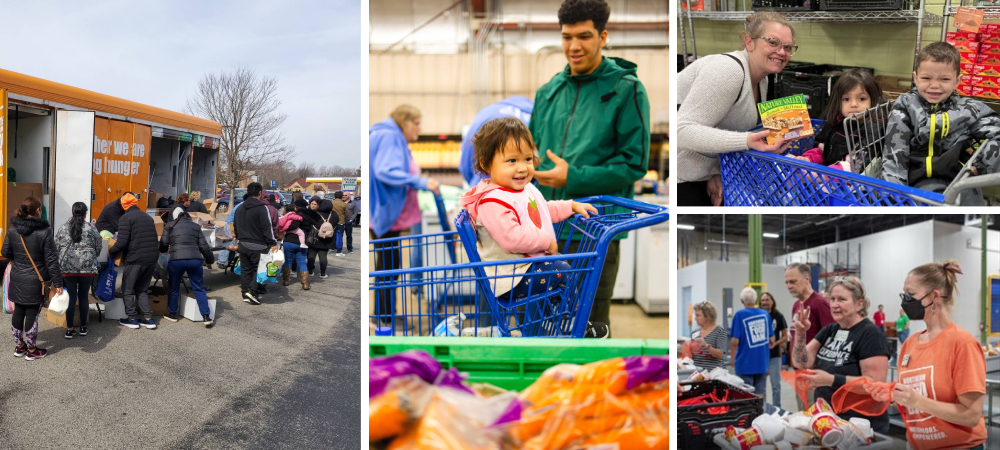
[106,283]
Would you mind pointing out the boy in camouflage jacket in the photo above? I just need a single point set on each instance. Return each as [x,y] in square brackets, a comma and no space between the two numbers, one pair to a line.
[931,128]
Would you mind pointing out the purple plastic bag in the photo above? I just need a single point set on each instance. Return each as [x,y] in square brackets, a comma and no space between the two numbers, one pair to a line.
[643,369]
[411,362]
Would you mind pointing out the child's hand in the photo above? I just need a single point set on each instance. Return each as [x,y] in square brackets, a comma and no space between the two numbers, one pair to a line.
[583,208]
[553,247]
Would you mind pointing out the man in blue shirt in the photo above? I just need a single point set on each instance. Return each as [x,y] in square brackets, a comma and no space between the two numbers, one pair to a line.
[519,107]
[750,338]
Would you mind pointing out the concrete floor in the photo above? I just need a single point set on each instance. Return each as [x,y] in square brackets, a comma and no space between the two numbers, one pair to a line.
[270,376]
[628,321]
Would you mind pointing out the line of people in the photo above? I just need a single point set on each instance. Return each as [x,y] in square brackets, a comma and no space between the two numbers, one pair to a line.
[68,258]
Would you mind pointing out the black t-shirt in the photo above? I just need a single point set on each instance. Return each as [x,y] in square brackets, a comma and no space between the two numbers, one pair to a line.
[777,324]
[841,353]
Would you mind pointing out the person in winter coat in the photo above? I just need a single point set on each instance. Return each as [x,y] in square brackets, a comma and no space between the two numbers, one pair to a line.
[196,204]
[340,207]
[254,230]
[79,244]
[183,202]
[112,212]
[352,216]
[25,290]
[188,252]
[590,124]
[294,243]
[137,243]
[322,246]
[357,217]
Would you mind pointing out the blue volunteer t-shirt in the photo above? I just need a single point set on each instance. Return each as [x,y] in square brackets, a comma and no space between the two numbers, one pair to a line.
[752,327]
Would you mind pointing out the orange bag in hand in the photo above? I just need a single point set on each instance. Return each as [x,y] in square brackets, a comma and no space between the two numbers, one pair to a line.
[797,381]
[864,396]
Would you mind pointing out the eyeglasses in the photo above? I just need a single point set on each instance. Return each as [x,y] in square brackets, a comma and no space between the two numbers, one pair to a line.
[907,297]
[774,43]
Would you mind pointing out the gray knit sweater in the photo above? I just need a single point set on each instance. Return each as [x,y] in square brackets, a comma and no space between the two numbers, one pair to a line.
[710,120]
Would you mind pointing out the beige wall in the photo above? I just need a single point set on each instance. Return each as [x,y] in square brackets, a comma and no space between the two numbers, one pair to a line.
[441,85]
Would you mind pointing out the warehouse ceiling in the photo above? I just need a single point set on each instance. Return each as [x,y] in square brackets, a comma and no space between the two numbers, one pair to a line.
[809,230]
[447,26]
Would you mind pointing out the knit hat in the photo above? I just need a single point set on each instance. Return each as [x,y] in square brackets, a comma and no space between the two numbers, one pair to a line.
[128,200]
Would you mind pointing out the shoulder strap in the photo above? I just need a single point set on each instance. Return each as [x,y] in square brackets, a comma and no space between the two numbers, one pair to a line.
[744,76]
[39,274]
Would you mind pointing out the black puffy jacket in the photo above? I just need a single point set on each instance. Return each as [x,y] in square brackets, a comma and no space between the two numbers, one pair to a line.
[197,206]
[25,289]
[110,215]
[325,212]
[253,223]
[136,238]
[185,240]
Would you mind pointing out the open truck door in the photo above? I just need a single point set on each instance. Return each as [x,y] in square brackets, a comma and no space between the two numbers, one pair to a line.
[74,152]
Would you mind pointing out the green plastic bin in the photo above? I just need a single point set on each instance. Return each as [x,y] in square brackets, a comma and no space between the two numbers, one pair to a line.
[513,363]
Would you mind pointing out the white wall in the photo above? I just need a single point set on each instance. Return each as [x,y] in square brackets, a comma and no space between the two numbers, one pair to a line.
[32,134]
[707,280]
[887,256]
[203,172]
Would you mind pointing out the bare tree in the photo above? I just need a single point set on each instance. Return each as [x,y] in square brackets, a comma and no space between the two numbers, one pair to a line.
[245,104]
[306,169]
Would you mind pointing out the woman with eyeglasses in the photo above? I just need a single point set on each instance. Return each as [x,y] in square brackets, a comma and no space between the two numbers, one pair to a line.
[942,370]
[717,98]
[845,350]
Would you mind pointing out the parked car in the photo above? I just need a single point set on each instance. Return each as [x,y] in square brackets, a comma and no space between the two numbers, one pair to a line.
[224,201]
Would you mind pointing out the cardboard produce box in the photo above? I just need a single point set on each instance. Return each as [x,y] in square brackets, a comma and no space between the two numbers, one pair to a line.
[961,36]
[60,321]
[158,223]
[118,257]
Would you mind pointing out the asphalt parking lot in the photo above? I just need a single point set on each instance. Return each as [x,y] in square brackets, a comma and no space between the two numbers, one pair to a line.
[284,374]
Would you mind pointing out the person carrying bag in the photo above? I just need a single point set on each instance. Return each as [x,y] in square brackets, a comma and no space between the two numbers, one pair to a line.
[26,279]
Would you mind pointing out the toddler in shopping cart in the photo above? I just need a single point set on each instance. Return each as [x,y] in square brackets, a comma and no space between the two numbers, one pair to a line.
[931,128]
[853,93]
[512,218]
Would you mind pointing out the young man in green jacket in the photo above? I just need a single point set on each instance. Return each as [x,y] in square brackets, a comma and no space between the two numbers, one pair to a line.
[591,126]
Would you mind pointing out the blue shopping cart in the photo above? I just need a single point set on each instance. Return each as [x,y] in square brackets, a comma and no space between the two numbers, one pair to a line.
[416,300]
[753,178]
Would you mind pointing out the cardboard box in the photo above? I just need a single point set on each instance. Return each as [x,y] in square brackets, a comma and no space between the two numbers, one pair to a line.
[989,49]
[986,69]
[966,47]
[159,304]
[202,218]
[965,90]
[967,68]
[984,92]
[989,28]
[158,223]
[988,59]
[990,38]
[188,307]
[961,36]
[60,321]
[980,81]
[152,198]
[967,57]
[118,257]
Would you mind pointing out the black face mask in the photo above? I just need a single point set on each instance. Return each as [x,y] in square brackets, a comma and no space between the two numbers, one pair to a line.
[913,307]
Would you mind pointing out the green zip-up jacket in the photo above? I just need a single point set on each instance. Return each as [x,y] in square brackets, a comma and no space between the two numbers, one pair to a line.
[598,123]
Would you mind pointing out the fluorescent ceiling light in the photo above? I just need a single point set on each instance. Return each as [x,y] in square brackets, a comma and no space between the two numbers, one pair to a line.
[771,235]
[681,226]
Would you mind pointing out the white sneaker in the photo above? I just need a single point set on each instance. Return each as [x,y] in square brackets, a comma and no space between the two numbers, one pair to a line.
[341,254]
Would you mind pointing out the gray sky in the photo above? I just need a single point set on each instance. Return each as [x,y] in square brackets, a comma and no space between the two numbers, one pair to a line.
[155,52]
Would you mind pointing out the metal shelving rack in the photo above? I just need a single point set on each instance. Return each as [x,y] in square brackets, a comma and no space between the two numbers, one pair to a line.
[991,12]
[918,16]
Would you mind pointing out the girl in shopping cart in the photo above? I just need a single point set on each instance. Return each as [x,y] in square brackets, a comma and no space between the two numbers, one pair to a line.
[513,220]
[853,93]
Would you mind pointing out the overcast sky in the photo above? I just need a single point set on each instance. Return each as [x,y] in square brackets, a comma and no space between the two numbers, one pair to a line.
[155,52]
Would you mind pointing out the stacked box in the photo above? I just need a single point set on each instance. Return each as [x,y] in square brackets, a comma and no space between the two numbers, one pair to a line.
[980,63]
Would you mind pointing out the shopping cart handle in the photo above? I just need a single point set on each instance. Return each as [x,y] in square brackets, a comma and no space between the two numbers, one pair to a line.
[623,202]
[965,181]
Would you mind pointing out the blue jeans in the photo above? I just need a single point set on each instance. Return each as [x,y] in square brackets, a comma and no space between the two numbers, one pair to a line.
[175,270]
[759,382]
[295,256]
[902,337]
[774,371]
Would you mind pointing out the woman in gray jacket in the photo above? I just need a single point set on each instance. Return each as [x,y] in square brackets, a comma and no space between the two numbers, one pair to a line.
[189,250]
[718,97]
[79,244]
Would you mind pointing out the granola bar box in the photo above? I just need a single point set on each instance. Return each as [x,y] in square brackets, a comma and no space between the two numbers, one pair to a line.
[786,118]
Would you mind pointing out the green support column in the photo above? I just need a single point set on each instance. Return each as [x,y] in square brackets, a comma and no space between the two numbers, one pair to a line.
[755,236]
[984,288]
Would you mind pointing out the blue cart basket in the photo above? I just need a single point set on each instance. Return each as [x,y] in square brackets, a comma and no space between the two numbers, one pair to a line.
[420,300]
